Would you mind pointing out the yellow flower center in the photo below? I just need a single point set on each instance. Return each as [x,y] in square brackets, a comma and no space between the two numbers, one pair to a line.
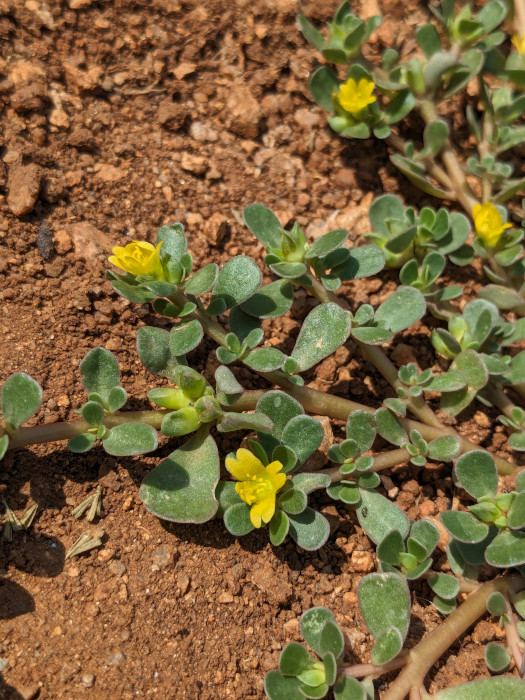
[355,96]
[488,223]
[139,258]
[258,485]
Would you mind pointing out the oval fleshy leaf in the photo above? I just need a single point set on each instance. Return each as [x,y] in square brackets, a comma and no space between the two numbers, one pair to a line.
[304,435]
[384,600]
[476,472]
[309,529]
[271,301]
[20,399]
[185,337]
[278,528]
[506,687]
[403,307]
[100,372]
[239,279]
[203,280]
[264,225]
[324,330]
[182,488]
[265,359]
[312,623]
[497,657]
[506,549]
[279,687]
[388,645]
[378,516]
[130,439]
[464,526]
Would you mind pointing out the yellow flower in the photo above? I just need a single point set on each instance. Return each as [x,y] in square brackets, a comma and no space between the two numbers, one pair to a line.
[354,97]
[139,258]
[519,43]
[489,224]
[258,485]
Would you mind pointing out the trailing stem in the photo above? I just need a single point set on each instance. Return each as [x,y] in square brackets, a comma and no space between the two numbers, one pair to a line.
[423,656]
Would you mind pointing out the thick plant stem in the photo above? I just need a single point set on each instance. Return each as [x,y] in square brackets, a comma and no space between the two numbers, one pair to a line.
[385,460]
[464,194]
[65,431]
[364,670]
[513,638]
[435,644]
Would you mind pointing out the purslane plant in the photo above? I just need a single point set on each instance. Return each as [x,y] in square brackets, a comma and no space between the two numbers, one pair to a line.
[462,48]
[267,482]
[269,486]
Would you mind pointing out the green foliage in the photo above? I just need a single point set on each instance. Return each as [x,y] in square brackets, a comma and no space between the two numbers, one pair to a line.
[20,399]
[182,488]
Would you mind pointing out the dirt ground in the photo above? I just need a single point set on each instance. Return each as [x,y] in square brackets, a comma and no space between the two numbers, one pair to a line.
[119,116]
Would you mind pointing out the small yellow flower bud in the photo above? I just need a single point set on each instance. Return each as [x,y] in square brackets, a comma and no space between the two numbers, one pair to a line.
[488,223]
[519,43]
[139,258]
[355,96]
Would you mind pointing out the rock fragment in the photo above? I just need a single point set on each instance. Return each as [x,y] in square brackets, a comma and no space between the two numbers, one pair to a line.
[24,186]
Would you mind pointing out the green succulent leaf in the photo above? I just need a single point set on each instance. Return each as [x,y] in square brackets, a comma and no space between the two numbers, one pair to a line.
[311,481]
[322,85]
[497,657]
[4,444]
[265,359]
[389,427]
[185,337]
[403,307]
[443,585]
[496,604]
[203,280]
[153,346]
[361,427]
[378,516]
[464,526]
[391,547]
[182,488]
[384,600]
[506,549]
[388,645]
[506,687]
[92,412]
[278,528]
[304,435]
[346,688]
[264,225]
[130,439]
[324,330]
[444,448]
[20,398]
[280,687]
[237,281]
[271,301]
[516,514]
[294,660]
[469,363]
[309,529]
[100,372]
[312,623]
[81,443]
[476,472]
[237,520]
[331,639]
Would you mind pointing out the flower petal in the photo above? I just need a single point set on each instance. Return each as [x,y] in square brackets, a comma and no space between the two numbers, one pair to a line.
[274,468]
[264,510]
[278,481]
[246,466]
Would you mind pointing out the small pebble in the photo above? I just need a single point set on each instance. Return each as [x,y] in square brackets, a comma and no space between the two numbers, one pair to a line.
[88,679]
